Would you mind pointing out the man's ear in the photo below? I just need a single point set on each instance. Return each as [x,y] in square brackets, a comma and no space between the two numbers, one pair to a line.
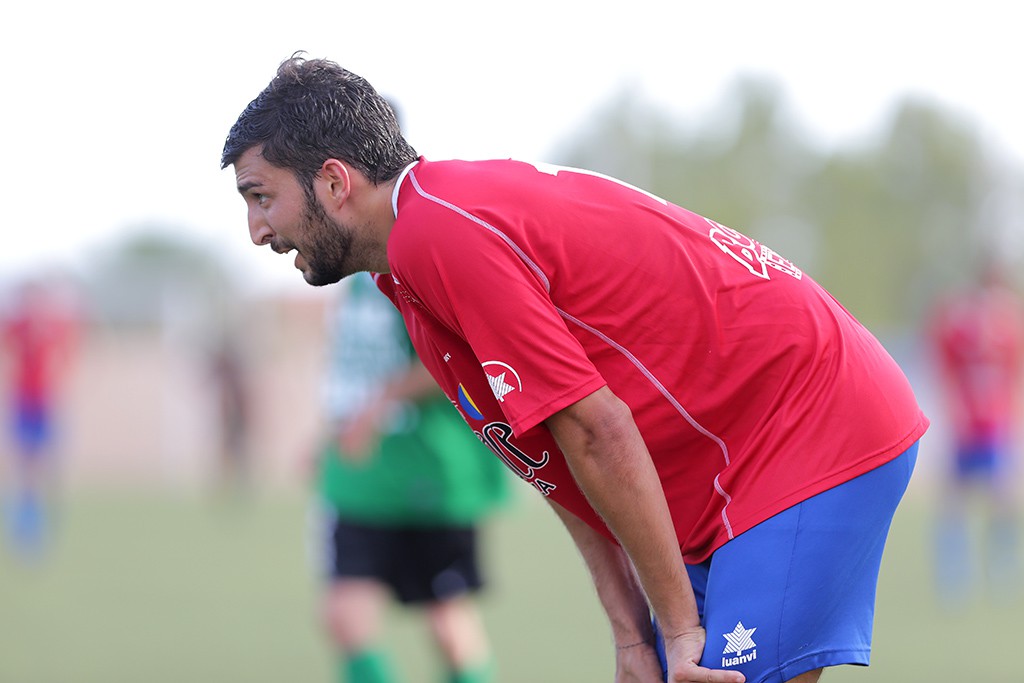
[336,182]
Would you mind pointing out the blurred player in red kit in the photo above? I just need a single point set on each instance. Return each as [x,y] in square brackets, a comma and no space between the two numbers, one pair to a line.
[38,335]
[978,335]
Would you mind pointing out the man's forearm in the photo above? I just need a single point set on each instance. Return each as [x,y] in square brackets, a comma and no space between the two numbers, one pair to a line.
[612,466]
[621,596]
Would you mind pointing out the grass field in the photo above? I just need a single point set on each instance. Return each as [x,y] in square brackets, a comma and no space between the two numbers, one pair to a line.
[166,589]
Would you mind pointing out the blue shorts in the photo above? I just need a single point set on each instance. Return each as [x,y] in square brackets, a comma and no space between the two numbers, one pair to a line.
[797,592]
[33,428]
[983,458]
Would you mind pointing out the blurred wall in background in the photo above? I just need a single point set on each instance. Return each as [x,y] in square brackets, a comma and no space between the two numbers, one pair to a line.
[140,405]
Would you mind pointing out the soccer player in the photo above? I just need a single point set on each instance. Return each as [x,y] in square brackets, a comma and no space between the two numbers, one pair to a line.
[403,487]
[37,336]
[724,442]
[231,387]
[978,338]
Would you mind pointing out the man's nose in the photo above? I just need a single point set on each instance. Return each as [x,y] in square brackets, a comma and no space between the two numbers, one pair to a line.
[259,231]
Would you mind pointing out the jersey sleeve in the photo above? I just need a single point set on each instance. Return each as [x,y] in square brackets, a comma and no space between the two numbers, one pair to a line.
[491,292]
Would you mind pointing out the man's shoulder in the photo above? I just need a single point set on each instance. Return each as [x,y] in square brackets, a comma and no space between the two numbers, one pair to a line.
[444,197]
[484,189]
[475,170]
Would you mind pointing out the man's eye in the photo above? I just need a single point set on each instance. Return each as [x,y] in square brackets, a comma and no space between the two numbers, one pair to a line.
[260,198]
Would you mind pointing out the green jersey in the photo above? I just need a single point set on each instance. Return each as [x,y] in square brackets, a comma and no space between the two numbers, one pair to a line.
[428,468]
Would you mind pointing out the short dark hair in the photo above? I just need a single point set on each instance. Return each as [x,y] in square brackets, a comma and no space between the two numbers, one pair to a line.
[314,110]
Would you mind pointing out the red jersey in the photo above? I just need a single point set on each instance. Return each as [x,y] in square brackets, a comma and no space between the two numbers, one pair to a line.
[980,342]
[526,288]
[36,336]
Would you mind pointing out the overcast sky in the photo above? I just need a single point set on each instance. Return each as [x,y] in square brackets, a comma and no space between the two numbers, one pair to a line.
[114,113]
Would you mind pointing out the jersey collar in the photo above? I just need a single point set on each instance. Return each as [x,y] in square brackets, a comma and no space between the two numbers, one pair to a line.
[398,186]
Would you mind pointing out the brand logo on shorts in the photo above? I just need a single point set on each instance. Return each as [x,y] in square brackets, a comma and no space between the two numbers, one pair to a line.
[738,642]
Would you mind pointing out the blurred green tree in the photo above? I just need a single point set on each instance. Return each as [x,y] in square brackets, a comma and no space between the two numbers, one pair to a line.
[155,276]
[898,216]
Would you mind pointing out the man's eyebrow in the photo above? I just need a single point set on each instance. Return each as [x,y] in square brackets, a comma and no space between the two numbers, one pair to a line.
[245,187]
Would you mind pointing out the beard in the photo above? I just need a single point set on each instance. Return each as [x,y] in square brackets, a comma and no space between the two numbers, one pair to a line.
[328,247]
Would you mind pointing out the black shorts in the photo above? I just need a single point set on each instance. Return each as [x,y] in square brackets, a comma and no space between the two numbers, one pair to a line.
[420,564]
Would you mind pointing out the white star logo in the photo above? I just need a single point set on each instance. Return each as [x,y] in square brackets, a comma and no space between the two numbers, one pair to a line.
[499,386]
[504,379]
[739,640]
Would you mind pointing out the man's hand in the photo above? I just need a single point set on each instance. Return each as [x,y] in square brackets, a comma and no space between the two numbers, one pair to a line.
[683,652]
[361,436]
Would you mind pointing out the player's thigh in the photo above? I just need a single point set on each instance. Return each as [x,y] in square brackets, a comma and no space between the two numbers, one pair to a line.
[457,628]
[354,610]
[797,592]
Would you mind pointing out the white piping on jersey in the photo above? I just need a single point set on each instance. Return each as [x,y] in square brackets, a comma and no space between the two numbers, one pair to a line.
[728,500]
[652,379]
[663,390]
[487,226]
[597,333]
[398,185]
